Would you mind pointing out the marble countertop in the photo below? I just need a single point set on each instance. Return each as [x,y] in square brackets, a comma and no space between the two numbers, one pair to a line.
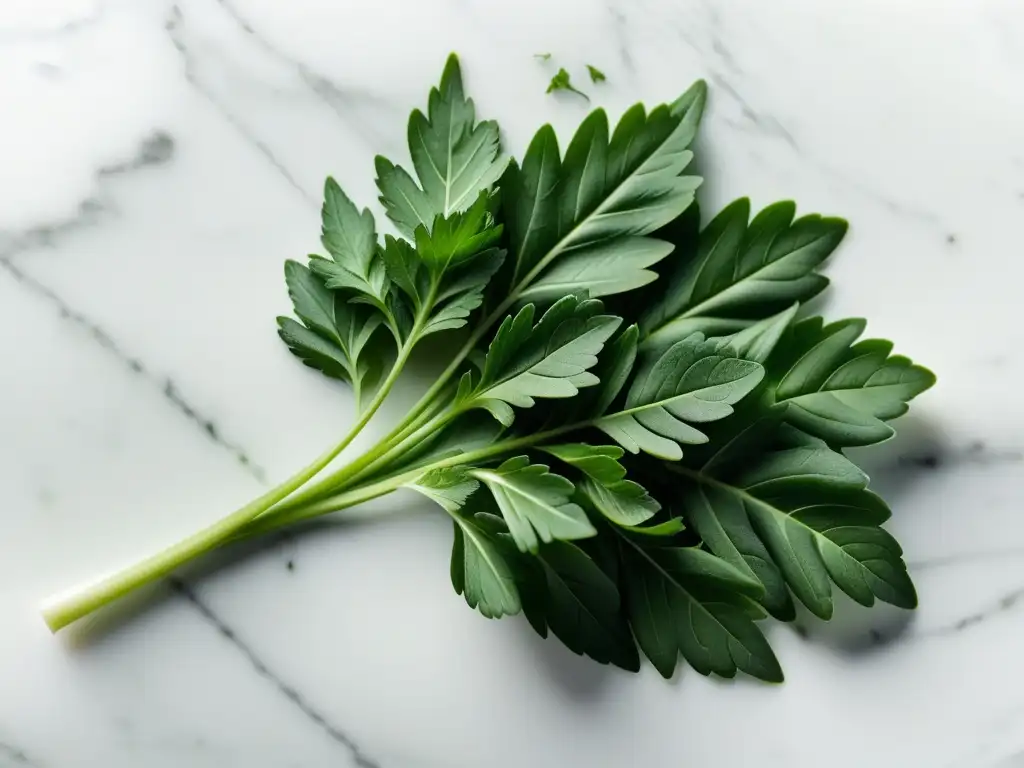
[160,160]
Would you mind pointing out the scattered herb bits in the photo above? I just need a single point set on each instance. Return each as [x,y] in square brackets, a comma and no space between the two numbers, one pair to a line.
[562,81]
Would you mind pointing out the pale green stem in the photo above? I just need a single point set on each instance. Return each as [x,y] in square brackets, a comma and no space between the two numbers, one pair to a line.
[282,517]
[61,610]
[358,468]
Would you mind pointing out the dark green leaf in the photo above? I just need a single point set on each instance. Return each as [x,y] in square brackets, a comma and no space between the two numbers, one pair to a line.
[596,75]
[462,291]
[685,601]
[801,515]
[580,605]
[841,391]
[338,338]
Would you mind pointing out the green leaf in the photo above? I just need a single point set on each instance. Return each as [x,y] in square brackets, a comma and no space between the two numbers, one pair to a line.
[480,571]
[347,234]
[462,291]
[615,266]
[622,501]
[757,342]
[691,382]
[449,487]
[841,391]
[667,528]
[406,270]
[605,190]
[563,82]
[737,273]
[337,338]
[600,462]
[444,277]
[685,601]
[457,237]
[596,75]
[455,158]
[614,366]
[800,514]
[547,360]
[356,264]
[535,503]
[580,604]
[722,522]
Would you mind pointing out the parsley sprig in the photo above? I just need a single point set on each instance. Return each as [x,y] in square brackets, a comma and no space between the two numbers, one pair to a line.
[638,436]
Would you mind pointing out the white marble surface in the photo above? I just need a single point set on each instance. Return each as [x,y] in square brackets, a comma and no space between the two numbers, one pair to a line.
[159,161]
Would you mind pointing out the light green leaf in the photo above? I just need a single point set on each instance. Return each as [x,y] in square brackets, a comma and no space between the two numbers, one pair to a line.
[547,360]
[685,601]
[347,234]
[613,266]
[614,365]
[690,382]
[624,186]
[449,488]
[601,462]
[667,528]
[455,158]
[479,570]
[535,503]
[356,265]
[841,391]
[757,342]
[622,501]
[739,273]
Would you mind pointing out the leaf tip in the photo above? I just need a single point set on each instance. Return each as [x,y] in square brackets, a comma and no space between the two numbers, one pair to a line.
[451,76]
[693,99]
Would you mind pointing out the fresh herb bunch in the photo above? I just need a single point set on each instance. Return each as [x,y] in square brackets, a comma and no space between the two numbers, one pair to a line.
[660,471]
